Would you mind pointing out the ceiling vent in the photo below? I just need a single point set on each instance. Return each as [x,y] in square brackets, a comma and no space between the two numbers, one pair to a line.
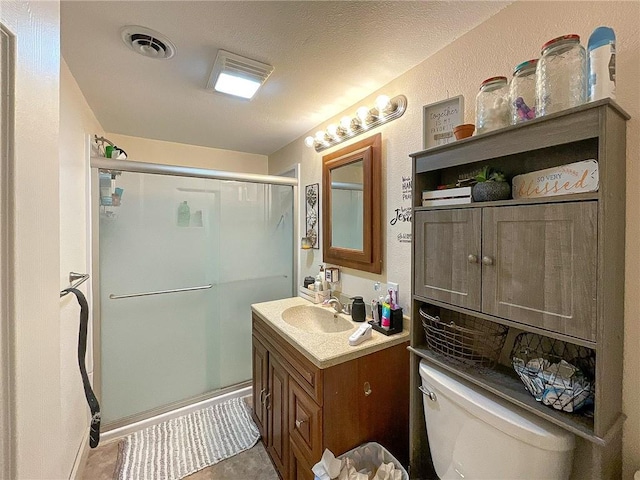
[236,75]
[147,42]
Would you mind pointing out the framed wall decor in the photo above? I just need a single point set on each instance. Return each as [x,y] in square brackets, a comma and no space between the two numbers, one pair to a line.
[439,119]
[312,214]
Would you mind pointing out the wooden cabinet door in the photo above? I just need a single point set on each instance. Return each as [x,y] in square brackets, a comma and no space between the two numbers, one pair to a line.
[260,385]
[299,467]
[540,266]
[276,402]
[447,253]
[305,423]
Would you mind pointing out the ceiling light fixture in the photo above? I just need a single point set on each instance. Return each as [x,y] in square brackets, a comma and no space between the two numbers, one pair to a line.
[365,119]
[237,76]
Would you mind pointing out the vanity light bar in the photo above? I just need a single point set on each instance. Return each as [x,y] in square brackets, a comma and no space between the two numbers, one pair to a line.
[365,119]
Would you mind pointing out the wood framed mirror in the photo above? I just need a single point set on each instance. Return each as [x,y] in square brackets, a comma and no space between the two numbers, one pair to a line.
[352,206]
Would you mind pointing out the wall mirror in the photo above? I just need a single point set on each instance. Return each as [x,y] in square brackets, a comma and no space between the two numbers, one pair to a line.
[351,206]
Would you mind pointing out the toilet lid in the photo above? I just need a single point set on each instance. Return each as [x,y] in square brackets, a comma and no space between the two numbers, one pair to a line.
[493,410]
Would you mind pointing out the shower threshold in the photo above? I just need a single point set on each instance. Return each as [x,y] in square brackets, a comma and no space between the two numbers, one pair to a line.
[133,423]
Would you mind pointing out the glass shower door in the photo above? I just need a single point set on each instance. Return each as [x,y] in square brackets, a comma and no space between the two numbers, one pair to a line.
[181,260]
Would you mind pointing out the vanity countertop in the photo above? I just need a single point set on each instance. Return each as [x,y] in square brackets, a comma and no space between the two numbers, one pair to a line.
[324,349]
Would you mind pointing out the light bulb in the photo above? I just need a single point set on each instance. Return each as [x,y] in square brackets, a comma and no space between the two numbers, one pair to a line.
[345,123]
[309,141]
[320,136]
[362,113]
[382,104]
[332,130]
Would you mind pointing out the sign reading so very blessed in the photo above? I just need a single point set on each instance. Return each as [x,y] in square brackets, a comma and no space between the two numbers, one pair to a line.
[579,177]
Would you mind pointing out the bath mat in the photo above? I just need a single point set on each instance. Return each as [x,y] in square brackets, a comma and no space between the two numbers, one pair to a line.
[181,446]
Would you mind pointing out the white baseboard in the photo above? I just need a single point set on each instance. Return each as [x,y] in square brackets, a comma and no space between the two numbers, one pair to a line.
[81,458]
[120,432]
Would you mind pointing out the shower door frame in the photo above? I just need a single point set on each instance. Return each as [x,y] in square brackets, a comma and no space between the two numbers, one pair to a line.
[101,163]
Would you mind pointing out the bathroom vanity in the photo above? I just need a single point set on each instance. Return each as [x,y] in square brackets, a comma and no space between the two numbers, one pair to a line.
[551,266]
[312,390]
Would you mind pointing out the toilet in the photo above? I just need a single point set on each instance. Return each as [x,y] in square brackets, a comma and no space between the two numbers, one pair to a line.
[474,434]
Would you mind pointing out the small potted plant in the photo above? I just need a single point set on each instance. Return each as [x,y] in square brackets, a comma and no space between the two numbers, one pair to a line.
[491,185]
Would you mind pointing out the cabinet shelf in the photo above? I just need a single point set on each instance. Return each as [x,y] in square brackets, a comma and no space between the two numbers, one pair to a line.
[502,381]
[575,197]
[509,323]
[552,266]
[569,126]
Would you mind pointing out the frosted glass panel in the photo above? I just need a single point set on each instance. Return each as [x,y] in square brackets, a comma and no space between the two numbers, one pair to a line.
[176,232]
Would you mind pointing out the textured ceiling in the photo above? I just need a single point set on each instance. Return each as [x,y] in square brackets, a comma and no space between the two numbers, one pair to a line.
[327,56]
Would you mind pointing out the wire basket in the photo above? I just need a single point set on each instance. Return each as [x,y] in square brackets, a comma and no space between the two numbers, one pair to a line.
[471,340]
[556,373]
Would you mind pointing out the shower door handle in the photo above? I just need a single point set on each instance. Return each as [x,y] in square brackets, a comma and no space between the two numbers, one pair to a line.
[160,292]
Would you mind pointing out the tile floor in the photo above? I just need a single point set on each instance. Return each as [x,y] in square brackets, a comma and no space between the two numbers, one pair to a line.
[253,464]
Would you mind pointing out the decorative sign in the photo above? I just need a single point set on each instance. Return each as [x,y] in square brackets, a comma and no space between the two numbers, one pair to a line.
[402,214]
[312,214]
[439,119]
[579,177]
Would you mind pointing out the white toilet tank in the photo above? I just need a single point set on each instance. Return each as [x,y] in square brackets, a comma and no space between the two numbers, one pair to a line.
[474,434]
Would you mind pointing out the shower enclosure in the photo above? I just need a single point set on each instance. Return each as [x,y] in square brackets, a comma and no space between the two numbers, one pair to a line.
[182,254]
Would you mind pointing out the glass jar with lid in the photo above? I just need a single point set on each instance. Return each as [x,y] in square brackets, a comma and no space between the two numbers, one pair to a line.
[492,105]
[522,92]
[561,75]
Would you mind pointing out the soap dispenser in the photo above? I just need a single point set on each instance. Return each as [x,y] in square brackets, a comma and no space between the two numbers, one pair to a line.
[319,280]
[358,313]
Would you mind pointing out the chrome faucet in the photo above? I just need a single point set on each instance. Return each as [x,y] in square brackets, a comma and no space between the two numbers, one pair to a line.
[335,303]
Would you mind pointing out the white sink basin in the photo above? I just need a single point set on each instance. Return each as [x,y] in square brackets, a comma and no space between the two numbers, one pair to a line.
[316,319]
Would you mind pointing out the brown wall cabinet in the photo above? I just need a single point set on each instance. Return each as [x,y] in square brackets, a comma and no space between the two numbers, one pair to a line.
[553,266]
[339,407]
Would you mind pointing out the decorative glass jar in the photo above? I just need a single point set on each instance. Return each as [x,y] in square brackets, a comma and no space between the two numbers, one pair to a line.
[561,75]
[522,92]
[492,105]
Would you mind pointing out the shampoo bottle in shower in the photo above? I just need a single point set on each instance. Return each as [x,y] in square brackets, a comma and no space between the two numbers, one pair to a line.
[184,214]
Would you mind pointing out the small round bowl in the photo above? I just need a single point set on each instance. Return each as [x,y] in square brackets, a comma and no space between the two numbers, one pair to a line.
[464,131]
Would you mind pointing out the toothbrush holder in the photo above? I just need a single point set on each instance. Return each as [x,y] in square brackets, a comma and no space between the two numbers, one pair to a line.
[395,322]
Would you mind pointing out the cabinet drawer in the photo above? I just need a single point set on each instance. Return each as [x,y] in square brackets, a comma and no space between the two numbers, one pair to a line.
[446,254]
[305,423]
[540,266]
[299,466]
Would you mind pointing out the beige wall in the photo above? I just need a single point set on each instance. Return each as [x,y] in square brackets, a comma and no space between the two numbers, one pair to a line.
[77,123]
[493,48]
[170,153]
[35,243]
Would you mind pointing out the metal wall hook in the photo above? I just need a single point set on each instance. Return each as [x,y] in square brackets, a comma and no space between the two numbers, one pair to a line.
[75,280]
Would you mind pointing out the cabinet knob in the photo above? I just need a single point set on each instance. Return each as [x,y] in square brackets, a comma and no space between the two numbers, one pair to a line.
[367,389]
[472,258]
[487,260]
[299,423]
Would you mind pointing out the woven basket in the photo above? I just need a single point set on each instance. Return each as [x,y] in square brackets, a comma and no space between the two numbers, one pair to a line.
[471,340]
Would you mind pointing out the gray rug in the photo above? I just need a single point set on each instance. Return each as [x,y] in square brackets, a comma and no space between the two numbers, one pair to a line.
[181,446]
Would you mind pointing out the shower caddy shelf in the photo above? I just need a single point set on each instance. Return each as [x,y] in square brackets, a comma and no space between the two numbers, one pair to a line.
[593,131]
